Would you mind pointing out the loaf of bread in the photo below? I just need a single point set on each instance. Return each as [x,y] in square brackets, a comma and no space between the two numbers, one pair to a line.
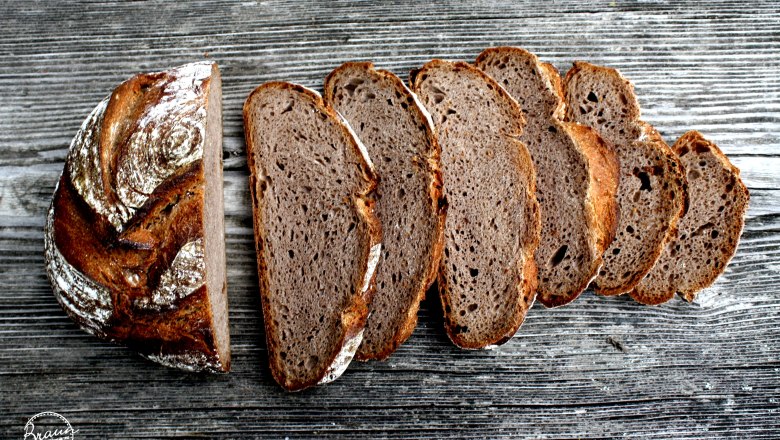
[487,278]
[134,236]
[317,237]
[398,134]
[707,235]
[576,176]
[651,191]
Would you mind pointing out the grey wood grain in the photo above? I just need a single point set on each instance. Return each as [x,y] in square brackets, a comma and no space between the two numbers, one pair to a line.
[601,367]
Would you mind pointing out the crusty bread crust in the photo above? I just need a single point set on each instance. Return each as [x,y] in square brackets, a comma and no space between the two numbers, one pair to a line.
[531,236]
[435,194]
[354,314]
[650,293]
[126,265]
[647,136]
[598,156]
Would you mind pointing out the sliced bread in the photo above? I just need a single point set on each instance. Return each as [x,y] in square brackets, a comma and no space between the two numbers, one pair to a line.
[487,278]
[316,235]
[651,190]
[707,235]
[134,236]
[576,176]
[398,135]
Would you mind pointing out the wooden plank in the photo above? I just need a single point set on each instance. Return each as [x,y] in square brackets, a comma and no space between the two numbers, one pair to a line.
[601,367]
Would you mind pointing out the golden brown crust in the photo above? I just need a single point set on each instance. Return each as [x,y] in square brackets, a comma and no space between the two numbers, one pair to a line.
[435,193]
[129,263]
[527,273]
[604,175]
[353,318]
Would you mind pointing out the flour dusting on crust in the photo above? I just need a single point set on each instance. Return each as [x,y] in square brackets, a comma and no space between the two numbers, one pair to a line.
[80,296]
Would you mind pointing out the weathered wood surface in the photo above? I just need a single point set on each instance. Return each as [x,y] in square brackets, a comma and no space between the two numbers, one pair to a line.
[598,368]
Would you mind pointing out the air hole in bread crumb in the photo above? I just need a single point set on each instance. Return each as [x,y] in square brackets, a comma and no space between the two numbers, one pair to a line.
[645,179]
[473,272]
[353,84]
[592,97]
[559,255]
[472,307]
[461,329]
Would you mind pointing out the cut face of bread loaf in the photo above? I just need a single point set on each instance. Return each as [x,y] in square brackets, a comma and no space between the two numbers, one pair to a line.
[651,190]
[134,236]
[487,278]
[316,234]
[707,235]
[399,137]
[576,176]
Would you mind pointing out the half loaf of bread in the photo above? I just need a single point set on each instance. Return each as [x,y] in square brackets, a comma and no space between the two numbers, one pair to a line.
[316,235]
[707,235]
[398,134]
[576,176]
[134,236]
[487,278]
[651,192]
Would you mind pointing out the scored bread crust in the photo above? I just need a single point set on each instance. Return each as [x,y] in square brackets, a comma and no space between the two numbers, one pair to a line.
[648,292]
[649,138]
[530,237]
[125,236]
[355,313]
[435,194]
[597,156]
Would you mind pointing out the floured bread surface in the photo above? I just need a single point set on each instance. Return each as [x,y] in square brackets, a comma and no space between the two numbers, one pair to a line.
[576,176]
[707,235]
[400,140]
[316,235]
[651,190]
[134,236]
[487,278]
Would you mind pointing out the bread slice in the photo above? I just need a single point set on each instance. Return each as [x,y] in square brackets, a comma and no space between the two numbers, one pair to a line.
[134,237]
[487,279]
[707,235]
[399,137]
[651,191]
[316,234]
[576,176]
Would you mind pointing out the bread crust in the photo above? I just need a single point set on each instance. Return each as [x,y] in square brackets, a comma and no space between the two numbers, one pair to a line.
[648,136]
[528,272]
[435,194]
[355,313]
[598,156]
[111,253]
[645,293]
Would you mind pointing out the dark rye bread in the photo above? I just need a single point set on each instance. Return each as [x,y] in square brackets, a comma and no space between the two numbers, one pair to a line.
[651,191]
[487,278]
[134,236]
[707,235]
[316,235]
[398,135]
[576,176]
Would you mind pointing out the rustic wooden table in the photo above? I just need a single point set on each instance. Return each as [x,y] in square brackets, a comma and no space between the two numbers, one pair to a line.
[597,368]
